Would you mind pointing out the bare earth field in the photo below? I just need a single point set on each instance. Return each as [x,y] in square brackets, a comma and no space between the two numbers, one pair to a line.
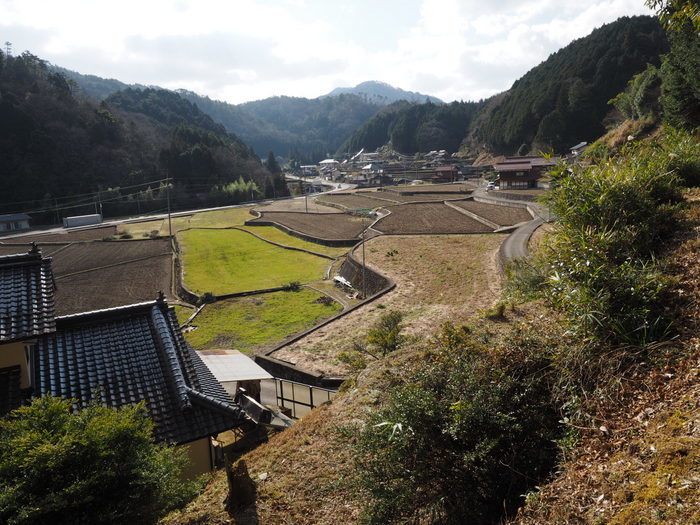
[86,256]
[114,286]
[298,204]
[354,201]
[96,275]
[433,188]
[428,218]
[335,226]
[420,196]
[438,278]
[502,215]
[92,234]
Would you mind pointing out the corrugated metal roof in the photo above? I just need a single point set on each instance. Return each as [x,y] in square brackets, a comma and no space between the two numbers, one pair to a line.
[232,365]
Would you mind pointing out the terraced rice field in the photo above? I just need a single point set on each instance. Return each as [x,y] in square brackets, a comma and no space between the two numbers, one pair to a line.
[420,197]
[436,188]
[501,215]
[248,323]
[127,283]
[428,218]
[95,275]
[223,261]
[325,226]
[353,201]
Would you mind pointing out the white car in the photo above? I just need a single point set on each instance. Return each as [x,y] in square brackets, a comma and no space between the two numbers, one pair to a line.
[490,186]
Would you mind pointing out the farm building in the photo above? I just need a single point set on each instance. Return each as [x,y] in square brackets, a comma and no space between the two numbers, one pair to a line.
[520,173]
[14,222]
[124,355]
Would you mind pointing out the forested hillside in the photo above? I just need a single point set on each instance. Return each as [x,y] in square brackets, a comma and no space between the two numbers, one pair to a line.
[306,129]
[65,155]
[411,128]
[556,104]
[383,93]
[564,99]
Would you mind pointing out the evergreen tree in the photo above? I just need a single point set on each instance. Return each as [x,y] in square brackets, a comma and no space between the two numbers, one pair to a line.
[272,164]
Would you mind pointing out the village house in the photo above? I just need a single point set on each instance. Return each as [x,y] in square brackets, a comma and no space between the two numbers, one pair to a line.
[522,172]
[14,222]
[119,356]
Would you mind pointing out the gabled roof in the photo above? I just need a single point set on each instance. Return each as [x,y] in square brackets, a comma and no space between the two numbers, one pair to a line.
[523,166]
[130,354]
[26,296]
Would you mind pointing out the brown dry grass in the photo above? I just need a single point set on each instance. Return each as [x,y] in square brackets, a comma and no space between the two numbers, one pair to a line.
[645,466]
[91,234]
[438,279]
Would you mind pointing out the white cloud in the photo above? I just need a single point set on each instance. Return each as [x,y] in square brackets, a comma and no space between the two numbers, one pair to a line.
[453,49]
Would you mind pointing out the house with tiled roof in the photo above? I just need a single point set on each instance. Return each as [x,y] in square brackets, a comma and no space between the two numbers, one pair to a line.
[26,312]
[522,172]
[119,356]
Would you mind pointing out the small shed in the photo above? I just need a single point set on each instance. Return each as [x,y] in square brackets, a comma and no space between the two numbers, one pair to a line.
[234,369]
[14,222]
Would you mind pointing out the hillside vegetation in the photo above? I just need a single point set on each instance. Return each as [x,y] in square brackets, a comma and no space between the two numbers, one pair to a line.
[65,155]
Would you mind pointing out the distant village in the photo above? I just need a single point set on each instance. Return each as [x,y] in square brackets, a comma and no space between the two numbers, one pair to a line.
[374,169]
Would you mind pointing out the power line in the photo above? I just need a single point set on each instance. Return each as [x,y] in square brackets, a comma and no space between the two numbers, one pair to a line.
[89,198]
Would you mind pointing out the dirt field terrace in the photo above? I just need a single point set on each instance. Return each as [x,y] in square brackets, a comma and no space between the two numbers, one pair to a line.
[95,275]
[439,278]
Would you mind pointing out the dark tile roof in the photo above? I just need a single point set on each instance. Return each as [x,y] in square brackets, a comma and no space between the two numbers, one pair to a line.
[128,354]
[26,296]
[10,393]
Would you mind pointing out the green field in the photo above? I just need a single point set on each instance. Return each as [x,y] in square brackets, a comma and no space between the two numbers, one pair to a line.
[230,261]
[183,313]
[246,323]
[273,234]
[206,219]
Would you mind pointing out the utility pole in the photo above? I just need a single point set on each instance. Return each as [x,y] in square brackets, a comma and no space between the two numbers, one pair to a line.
[170,224]
[8,49]
[364,282]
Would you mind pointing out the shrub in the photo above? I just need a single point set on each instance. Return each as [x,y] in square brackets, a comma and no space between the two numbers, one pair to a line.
[207,298]
[385,335]
[463,439]
[98,465]
[293,286]
[612,221]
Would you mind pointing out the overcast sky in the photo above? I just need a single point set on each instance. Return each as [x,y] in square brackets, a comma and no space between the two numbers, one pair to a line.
[236,50]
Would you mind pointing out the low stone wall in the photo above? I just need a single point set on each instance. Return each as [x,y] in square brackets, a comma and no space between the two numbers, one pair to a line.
[352,271]
[333,243]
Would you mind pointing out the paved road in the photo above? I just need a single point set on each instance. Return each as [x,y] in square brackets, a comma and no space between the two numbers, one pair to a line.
[116,222]
[515,245]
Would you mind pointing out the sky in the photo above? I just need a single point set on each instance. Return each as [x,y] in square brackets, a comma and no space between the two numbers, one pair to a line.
[238,51]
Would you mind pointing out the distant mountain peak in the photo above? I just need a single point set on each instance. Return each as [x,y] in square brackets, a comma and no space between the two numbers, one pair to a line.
[382,93]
